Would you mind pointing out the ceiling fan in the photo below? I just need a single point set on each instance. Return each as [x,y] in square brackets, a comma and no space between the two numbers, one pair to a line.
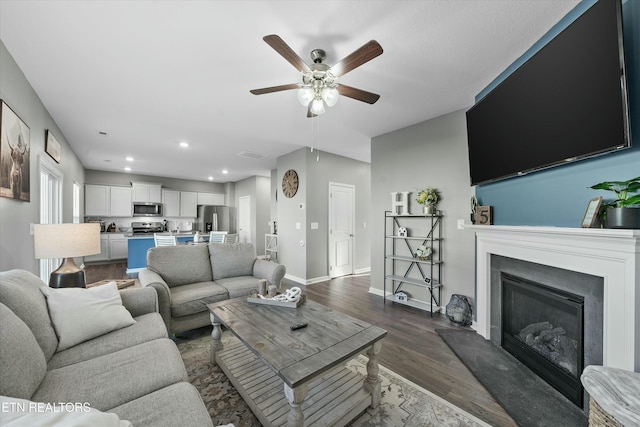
[319,86]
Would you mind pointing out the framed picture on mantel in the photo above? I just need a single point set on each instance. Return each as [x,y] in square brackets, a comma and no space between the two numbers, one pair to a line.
[592,212]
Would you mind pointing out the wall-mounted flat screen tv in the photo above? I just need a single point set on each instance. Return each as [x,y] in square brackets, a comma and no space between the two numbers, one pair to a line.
[567,102]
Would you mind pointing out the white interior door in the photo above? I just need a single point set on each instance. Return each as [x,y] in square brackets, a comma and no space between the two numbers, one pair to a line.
[244,219]
[341,225]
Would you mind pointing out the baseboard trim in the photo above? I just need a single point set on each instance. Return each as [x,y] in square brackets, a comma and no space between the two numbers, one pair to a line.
[363,270]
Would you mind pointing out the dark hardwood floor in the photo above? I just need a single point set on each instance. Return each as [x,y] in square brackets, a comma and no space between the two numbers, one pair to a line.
[412,348]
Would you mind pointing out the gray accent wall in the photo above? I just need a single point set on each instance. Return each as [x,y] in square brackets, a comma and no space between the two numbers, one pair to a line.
[428,154]
[310,262]
[16,242]
[258,188]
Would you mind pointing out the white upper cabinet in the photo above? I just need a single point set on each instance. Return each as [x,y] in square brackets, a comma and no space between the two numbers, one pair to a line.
[188,204]
[146,192]
[96,200]
[171,203]
[120,201]
[211,199]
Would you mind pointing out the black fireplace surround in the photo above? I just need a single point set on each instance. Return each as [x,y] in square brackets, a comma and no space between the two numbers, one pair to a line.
[543,327]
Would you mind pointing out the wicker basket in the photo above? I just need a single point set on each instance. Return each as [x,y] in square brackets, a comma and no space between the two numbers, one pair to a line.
[599,417]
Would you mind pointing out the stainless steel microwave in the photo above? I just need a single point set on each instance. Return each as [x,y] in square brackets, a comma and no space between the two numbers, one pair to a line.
[147,209]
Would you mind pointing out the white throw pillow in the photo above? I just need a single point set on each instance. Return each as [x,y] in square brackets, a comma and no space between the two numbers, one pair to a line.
[79,314]
[25,413]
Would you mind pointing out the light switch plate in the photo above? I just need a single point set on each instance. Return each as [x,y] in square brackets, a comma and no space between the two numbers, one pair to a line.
[314,225]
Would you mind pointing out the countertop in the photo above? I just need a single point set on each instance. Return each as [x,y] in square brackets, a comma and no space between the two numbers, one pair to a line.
[150,235]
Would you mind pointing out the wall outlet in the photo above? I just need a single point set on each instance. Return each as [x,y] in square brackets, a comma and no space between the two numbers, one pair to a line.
[297,226]
[314,225]
[461,224]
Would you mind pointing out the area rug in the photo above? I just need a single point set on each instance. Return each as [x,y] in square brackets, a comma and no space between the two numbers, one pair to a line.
[403,403]
[526,397]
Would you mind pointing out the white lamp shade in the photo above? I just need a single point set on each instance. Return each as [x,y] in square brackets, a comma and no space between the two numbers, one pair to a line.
[305,95]
[330,96]
[317,107]
[66,240]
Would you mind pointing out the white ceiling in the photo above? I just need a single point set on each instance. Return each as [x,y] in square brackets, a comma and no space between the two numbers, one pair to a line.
[151,73]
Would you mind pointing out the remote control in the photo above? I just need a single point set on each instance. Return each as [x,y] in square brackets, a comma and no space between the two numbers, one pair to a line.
[298,326]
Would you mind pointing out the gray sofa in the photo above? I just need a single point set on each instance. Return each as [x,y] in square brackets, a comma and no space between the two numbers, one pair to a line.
[135,372]
[188,277]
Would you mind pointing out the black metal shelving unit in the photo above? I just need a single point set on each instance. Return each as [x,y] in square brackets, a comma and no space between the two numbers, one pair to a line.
[401,266]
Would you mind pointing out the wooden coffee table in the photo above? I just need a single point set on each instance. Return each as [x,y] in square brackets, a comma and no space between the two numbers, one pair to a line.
[297,378]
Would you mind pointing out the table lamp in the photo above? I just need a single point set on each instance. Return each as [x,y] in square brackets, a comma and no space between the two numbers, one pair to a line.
[66,241]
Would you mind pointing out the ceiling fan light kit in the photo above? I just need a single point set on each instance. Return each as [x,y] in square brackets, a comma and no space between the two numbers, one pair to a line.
[319,85]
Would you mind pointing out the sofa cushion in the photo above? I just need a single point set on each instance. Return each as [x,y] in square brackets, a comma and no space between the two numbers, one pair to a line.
[231,259]
[20,291]
[22,362]
[239,286]
[148,327]
[79,314]
[193,298]
[179,404]
[25,413]
[115,378]
[180,265]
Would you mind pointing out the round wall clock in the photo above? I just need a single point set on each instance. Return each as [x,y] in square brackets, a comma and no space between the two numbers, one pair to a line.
[290,183]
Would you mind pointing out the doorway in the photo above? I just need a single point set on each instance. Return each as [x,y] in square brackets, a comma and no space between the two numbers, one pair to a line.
[244,219]
[50,208]
[341,226]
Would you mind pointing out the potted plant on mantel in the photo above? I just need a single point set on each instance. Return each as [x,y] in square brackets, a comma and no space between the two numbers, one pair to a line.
[622,212]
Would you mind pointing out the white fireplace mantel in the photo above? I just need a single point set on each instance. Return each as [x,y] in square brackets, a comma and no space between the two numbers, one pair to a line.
[611,254]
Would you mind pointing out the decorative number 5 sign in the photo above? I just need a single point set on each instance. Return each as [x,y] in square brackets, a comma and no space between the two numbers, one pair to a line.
[483,215]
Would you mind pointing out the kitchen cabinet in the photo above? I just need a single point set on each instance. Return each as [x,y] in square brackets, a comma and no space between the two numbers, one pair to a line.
[171,203]
[180,203]
[118,248]
[104,250]
[107,201]
[212,199]
[97,200]
[146,192]
[120,201]
[188,204]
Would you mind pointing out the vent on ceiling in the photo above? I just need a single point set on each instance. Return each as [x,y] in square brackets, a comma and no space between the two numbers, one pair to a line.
[251,155]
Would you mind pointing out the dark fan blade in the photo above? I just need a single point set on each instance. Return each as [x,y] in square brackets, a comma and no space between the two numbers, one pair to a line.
[359,94]
[273,89]
[365,54]
[287,53]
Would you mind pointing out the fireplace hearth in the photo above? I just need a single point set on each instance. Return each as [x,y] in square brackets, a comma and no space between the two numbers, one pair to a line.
[542,327]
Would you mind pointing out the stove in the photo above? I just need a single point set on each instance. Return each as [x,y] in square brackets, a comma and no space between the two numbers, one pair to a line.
[142,228]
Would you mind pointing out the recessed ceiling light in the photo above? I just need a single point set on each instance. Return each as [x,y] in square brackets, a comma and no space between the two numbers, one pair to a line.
[184,144]
[129,159]
[128,169]
[210,178]
[224,171]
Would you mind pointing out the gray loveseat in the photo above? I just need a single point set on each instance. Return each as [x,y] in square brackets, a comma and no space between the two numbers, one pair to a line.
[188,277]
[135,372]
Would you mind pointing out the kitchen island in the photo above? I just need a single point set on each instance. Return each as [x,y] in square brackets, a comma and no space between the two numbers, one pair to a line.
[138,245]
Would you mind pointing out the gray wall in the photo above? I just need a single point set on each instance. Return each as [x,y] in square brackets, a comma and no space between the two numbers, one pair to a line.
[16,244]
[258,188]
[429,154]
[117,178]
[311,262]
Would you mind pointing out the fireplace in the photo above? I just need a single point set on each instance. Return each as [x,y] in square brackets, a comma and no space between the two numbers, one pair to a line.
[542,327]
[611,255]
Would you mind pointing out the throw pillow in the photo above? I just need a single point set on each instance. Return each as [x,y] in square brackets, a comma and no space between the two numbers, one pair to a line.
[80,314]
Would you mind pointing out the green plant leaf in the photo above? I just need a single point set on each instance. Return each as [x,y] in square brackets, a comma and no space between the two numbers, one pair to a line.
[631,201]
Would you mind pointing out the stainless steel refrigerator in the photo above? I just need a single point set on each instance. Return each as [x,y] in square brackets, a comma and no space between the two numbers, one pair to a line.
[214,218]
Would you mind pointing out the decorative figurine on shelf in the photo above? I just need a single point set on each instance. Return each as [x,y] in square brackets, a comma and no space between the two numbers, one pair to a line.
[474,206]
[428,198]
[423,253]
[402,232]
